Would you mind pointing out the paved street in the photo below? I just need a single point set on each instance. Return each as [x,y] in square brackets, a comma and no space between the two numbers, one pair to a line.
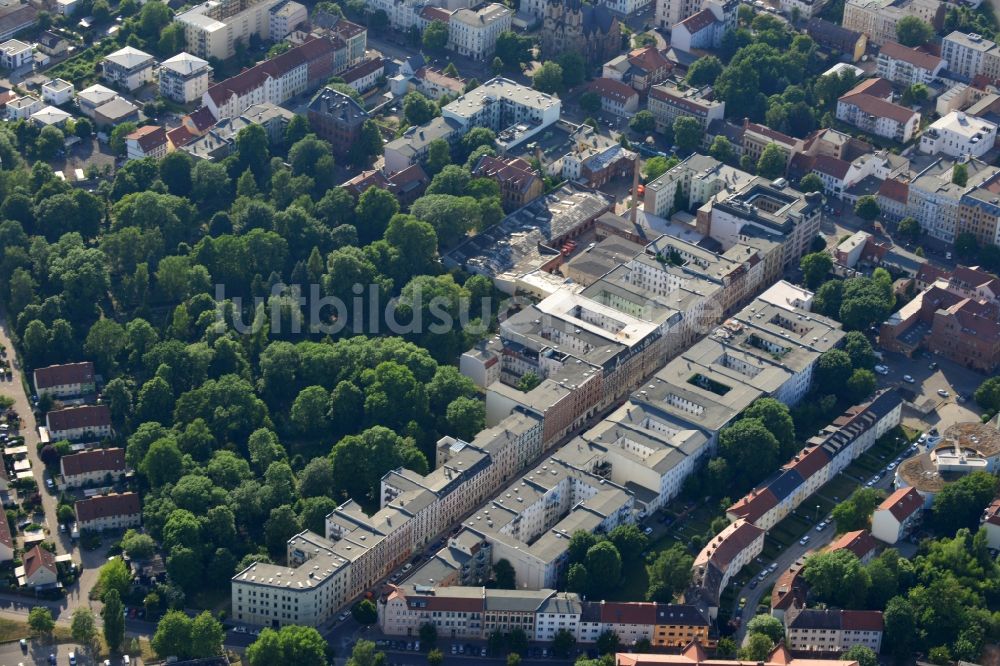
[11,654]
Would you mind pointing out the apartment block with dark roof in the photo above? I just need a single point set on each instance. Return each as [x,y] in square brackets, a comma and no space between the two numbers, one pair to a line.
[109,512]
[96,466]
[338,119]
[84,422]
[833,631]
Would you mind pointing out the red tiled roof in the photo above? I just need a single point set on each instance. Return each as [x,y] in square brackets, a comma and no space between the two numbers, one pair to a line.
[895,190]
[875,87]
[861,620]
[628,612]
[65,374]
[914,57]
[699,21]
[697,106]
[612,89]
[105,506]
[71,418]
[202,119]
[809,461]
[149,137]
[6,96]
[36,558]
[276,67]
[439,78]
[515,171]
[180,136]
[649,59]
[435,14]
[903,503]
[992,513]
[95,460]
[774,135]
[408,176]
[859,542]
[879,107]
[831,166]
[732,544]
[754,505]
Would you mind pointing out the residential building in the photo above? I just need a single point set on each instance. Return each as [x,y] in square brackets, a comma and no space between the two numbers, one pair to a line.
[414,74]
[832,36]
[93,467]
[878,18]
[667,102]
[16,18]
[757,137]
[824,456]
[115,112]
[979,212]
[474,32]
[671,12]
[273,81]
[407,185]
[337,118]
[859,542]
[763,209]
[969,54]
[958,134]
[365,75]
[52,44]
[411,148]
[897,515]
[90,98]
[146,141]
[465,560]
[15,54]
[116,511]
[284,18]
[309,591]
[868,108]
[92,422]
[590,30]
[128,68]
[906,66]
[695,655]
[617,98]
[832,631]
[184,78]
[519,184]
[722,558]
[50,115]
[990,522]
[594,159]
[22,108]
[514,112]
[705,29]
[212,28]
[698,178]
[893,195]
[678,625]
[961,449]
[57,92]
[640,68]
[66,380]
[934,200]
[38,570]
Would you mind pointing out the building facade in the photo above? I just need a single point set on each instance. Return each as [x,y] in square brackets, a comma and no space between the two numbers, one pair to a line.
[184,78]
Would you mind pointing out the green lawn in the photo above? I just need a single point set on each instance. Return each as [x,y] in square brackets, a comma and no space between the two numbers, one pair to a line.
[838,489]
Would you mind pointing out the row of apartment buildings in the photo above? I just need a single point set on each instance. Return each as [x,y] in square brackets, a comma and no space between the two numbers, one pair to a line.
[476,612]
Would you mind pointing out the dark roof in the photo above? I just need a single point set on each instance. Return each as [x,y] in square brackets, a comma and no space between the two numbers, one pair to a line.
[514,171]
[814,618]
[95,460]
[859,542]
[104,506]
[338,106]
[71,418]
[149,137]
[680,614]
[831,166]
[202,119]
[878,107]
[597,19]
[628,612]
[62,375]
[612,89]
[785,484]
[20,18]
[362,70]
[895,190]
[827,33]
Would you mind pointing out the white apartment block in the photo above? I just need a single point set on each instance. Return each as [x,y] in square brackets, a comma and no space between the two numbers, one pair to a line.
[501,104]
[832,631]
[212,28]
[672,12]
[92,467]
[184,78]
[958,134]
[474,33]
[285,17]
[897,515]
[934,200]
[699,178]
[15,54]
[128,67]
[667,102]
[907,66]
[722,558]
[878,116]
[627,7]
[109,512]
[57,92]
[969,54]
[22,108]
[309,591]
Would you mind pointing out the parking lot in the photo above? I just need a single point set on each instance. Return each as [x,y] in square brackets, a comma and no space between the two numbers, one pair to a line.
[11,654]
[937,382]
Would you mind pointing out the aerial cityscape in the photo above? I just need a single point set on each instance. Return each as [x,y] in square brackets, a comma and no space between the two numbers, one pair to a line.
[514,333]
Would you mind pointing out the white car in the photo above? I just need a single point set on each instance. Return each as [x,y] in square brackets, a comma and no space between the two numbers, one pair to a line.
[648,531]
[804,540]
[882,369]
[943,393]
[908,379]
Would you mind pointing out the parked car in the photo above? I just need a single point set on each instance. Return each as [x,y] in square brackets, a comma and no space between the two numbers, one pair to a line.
[804,540]
[908,379]
[882,369]
[943,393]
[647,531]
[753,584]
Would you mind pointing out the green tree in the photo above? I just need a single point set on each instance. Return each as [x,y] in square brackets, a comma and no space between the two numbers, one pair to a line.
[864,655]
[833,369]
[772,161]
[656,167]
[859,349]
[548,78]
[428,635]
[768,625]
[867,208]
[173,635]
[669,574]
[747,445]
[811,183]
[435,37]
[855,512]
[688,133]
[901,631]
[40,621]
[438,156]
[815,267]
[914,94]
[987,395]
[513,49]
[435,657]
[83,627]
[590,102]
[757,648]
[563,643]
[113,615]
[417,109]
[364,612]
[630,542]
[910,229]
[608,642]
[960,174]
[114,576]
[604,564]
[913,31]
[207,635]
[960,504]
[574,67]
[778,421]
[466,417]
[643,122]
[117,139]
[722,150]
[504,574]
[704,72]
[861,385]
